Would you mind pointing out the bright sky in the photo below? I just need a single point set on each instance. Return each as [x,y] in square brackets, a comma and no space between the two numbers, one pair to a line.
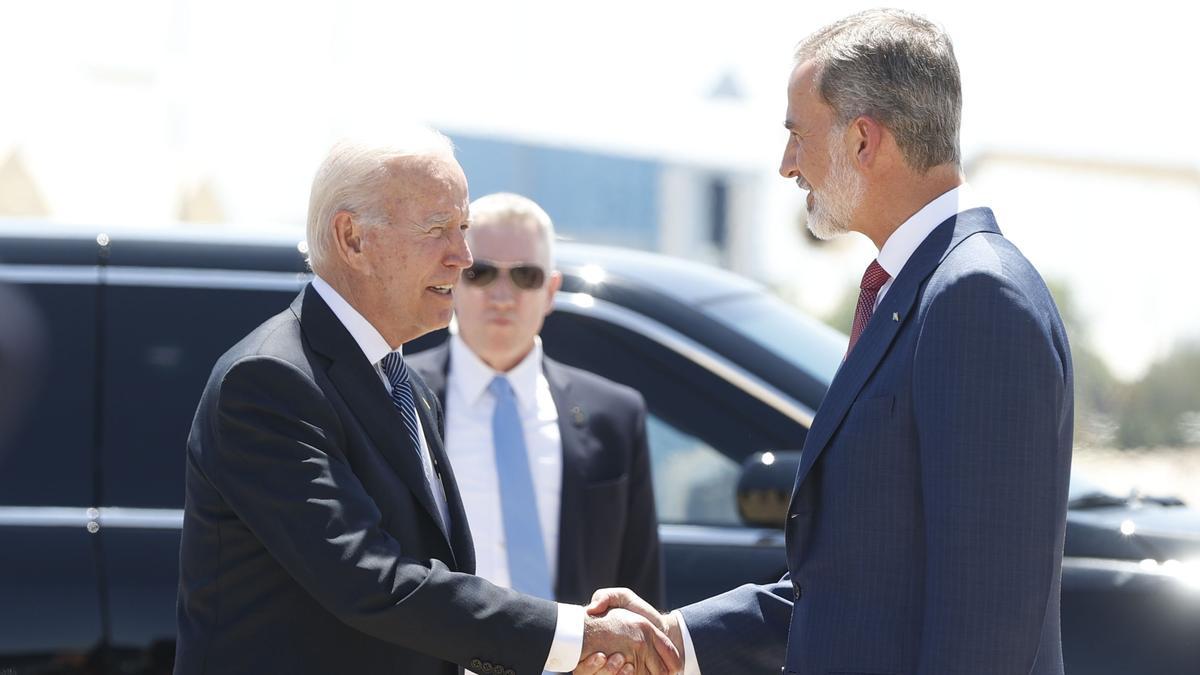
[111,103]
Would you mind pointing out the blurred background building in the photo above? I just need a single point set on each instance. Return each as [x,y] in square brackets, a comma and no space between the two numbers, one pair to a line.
[648,125]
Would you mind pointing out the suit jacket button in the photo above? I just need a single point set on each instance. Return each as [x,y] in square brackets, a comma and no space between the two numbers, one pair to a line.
[487,668]
[510,671]
[476,665]
[796,591]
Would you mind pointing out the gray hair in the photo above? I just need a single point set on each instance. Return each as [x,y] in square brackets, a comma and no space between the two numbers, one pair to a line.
[509,207]
[352,178]
[897,68]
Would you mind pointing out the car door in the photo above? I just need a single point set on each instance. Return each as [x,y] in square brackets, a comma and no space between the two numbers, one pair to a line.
[164,328]
[701,426]
[51,617]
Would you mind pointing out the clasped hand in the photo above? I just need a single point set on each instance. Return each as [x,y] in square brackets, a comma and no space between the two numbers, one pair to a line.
[625,635]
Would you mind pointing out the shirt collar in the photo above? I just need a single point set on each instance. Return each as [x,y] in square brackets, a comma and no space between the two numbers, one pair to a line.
[908,237]
[372,344]
[474,376]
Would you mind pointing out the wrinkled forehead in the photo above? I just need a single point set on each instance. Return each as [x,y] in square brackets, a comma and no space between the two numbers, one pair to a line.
[504,239]
[432,170]
[427,182]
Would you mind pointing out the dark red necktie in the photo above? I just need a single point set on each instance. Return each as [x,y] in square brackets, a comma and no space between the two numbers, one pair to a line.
[873,280]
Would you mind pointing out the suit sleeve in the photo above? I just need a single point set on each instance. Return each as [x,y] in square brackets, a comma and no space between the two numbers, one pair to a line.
[741,632]
[274,457]
[992,408]
[641,566]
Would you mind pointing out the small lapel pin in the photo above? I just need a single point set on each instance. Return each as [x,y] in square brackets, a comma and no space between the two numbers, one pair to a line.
[895,316]
[579,416]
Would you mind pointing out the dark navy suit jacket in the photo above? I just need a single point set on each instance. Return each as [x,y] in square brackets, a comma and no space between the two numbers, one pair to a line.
[310,540]
[608,528]
[926,527]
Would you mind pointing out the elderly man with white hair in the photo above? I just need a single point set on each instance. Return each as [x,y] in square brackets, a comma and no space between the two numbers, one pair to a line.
[323,529]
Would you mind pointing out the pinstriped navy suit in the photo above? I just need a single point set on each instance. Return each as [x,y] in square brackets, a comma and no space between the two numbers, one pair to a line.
[926,527]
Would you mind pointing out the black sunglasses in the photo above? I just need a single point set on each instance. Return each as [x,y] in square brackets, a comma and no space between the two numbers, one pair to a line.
[525,277]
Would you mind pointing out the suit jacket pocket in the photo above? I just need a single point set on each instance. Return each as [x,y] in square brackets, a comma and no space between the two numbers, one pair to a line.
[870,409]
[868,433]
[607,491]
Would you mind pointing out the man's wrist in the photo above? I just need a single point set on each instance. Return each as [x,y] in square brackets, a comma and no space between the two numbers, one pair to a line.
[687,650]
[670,625]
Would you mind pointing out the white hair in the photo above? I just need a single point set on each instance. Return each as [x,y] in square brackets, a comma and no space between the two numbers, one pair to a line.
[509,207]
[352,178]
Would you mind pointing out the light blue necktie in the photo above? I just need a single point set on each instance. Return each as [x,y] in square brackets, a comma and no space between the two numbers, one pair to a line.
[527,565]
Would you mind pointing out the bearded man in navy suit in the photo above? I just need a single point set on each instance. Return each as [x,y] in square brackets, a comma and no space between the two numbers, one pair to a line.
[926,527]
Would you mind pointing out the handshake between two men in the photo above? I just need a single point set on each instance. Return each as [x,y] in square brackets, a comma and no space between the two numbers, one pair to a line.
[625,635]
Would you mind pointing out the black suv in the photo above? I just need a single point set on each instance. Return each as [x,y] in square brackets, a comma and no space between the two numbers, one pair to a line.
[91,483]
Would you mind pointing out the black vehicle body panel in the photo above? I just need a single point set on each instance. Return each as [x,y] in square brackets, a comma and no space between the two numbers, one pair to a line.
[91,487]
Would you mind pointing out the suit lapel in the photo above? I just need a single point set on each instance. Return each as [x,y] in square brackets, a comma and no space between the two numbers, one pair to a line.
[460,531]
[572,428]
[364,393]
[893,312]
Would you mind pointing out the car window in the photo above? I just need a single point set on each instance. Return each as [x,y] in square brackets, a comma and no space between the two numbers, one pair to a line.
[806,342]
[49,457]
[700,426]
[693,482]
[161,344]
[50,611]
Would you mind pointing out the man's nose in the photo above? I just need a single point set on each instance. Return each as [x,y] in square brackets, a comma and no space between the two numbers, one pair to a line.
[460,254]
[787,164]
[501,292]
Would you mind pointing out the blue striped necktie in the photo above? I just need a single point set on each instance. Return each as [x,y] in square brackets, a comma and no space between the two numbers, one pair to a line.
[396,372]
[528,568]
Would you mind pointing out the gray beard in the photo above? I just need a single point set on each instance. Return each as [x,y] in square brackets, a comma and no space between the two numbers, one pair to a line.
[831,213]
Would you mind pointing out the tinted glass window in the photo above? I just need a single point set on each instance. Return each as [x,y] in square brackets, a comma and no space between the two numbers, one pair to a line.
[49,600]
[49,396]
[693,482]
[806,342]
[162,343]
[700,427]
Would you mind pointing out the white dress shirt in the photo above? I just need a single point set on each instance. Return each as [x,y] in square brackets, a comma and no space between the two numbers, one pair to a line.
[374,347]
[469,409]
[892,258]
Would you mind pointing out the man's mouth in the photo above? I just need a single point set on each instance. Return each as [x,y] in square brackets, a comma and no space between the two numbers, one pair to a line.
[445,289]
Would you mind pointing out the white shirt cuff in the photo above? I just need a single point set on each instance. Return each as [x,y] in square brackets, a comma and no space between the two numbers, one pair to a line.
[567,648]
[690,664]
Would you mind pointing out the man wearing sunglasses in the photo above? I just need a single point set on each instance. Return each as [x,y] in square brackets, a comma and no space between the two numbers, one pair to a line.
[552,461]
